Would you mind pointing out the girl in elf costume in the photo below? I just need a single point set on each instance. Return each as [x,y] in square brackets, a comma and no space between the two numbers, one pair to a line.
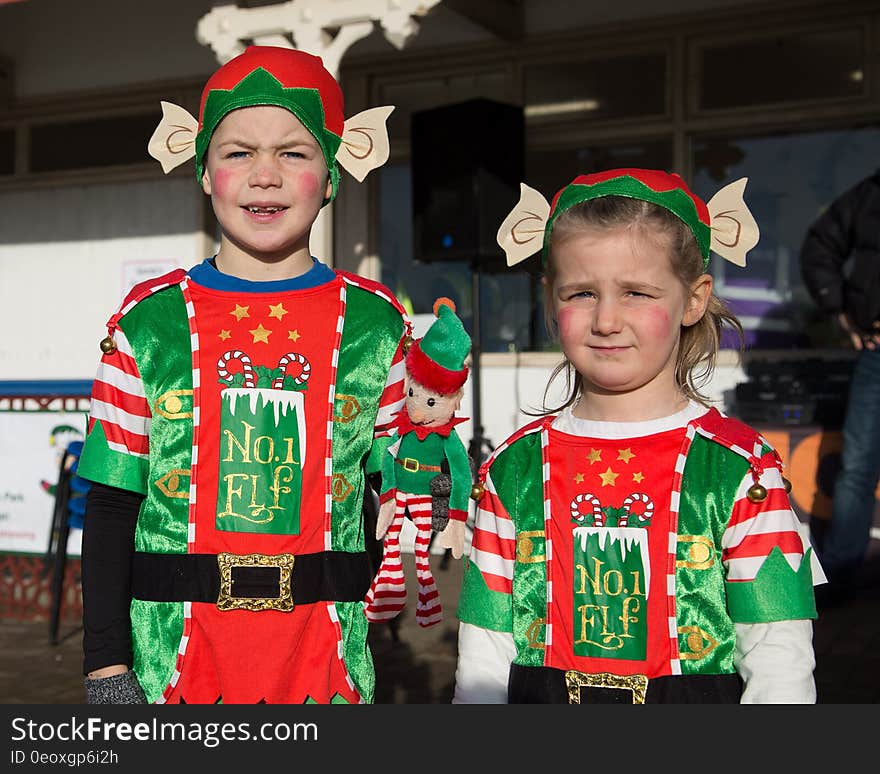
[232,416]
[635,545]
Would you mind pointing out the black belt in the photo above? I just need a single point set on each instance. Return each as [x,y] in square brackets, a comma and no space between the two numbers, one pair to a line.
[251,581]
[548,685]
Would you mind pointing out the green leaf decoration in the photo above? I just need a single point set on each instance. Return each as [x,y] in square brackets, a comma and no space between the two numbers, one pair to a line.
[777,593]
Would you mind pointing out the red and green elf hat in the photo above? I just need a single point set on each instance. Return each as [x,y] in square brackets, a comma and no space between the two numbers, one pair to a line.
[271,75]
[664,189]
[437,360]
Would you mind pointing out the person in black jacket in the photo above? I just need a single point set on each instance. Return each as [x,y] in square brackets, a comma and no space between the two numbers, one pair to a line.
[850,229]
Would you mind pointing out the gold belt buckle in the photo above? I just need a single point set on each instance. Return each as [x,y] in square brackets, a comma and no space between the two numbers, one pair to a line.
[227,601]
[411,465]
[574,681]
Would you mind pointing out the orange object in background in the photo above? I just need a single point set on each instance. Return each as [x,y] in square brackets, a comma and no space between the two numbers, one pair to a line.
[811,461]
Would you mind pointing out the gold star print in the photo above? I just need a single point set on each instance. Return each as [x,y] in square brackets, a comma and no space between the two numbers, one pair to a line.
[293,335]
[224,335]
[609,477]
[594,456]
[625,454]
[260,334]
[638,478]
[239,312]
[578,478]
[277,310]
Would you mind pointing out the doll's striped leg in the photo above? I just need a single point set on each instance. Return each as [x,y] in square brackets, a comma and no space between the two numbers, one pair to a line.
[387,594]
[428,610]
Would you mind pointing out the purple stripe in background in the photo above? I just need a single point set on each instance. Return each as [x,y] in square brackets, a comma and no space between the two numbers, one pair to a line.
[767,325]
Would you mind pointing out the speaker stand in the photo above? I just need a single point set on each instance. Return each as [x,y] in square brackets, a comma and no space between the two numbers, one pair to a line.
[477,441]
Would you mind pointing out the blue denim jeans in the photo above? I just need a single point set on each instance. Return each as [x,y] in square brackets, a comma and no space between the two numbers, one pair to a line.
[847,537]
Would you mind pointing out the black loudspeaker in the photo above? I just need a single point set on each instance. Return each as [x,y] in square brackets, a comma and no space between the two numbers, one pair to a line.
[467,164]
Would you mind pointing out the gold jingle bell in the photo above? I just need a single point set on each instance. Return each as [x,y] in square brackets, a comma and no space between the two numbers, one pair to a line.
[786,483]
[757,493]
[407,343]
[477,491]
[108,346]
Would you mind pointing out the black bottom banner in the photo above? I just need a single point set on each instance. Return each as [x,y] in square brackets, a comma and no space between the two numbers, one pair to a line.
[242,738]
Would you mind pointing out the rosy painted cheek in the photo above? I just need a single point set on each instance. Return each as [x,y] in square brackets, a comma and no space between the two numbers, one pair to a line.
[308,184]
[659,322]
[220,182]
[571,322]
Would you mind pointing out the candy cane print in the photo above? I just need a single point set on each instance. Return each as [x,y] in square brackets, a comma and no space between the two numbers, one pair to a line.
[285,361]
[627,508]
[247,367]
[598,516]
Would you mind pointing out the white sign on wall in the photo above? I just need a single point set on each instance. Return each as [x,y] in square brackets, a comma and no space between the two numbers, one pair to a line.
[32,444]
[134,272]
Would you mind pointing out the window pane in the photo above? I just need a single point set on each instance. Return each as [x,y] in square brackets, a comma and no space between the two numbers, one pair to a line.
[633,85]
[792,179]
[409,97]
[505,297]
[98,143]
[549,170]
[783,68]
[7,151]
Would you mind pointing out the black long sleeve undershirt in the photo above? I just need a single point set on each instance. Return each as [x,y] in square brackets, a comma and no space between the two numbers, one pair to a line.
[107,547]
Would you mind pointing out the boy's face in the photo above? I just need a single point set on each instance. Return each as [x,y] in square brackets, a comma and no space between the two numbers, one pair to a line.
[267,180]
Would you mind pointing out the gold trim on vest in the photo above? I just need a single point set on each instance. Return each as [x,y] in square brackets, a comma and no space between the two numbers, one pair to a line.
[340,487]
[533,632]
[170,484]
[700,553]
[348,411]
[525,547]
[699,643]
[170,406]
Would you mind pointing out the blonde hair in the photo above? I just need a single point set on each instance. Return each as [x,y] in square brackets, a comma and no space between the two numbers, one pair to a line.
[699,343]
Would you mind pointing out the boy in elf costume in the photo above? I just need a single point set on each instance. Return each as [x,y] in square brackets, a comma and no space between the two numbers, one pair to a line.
[232,414]
[635,545]
[422,439]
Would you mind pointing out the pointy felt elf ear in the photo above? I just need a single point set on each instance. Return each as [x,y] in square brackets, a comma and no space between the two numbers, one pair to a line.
[174,140]
[734,230]
[522,232]
[364,145]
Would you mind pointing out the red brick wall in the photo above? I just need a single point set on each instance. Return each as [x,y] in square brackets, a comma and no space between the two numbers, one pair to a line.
[26,589]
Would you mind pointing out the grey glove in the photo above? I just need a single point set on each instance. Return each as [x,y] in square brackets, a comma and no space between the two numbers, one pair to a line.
[117,689]
[441,486]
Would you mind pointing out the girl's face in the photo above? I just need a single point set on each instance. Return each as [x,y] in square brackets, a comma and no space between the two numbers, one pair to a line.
[620,309]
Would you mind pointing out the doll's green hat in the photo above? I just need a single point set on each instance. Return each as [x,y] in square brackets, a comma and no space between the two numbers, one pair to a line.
[284,77]
[437,360]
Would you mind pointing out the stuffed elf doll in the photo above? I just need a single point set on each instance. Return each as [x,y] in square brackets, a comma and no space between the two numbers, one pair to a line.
[422,439]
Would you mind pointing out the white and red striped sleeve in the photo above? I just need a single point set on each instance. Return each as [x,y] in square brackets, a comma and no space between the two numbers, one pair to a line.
[392,398]
[117,447]
[493,545]
[120,403]
[756,528]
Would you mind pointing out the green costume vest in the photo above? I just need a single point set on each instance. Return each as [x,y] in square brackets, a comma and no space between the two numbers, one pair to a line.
[707,605]
[158,331]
